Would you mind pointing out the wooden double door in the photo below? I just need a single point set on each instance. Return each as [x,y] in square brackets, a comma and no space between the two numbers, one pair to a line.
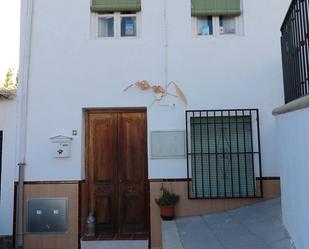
[118,186]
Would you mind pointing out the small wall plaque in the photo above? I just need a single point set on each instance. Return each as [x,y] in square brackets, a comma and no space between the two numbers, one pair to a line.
[168,144]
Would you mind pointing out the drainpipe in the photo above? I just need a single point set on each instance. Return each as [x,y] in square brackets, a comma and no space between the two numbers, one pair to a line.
[166,76]
[24,65]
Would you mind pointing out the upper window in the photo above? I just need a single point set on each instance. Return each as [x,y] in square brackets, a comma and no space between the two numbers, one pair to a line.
[216,17]
[106,26]
[128,25]
[115,25]
[227,25]
[115,18]
[205,25]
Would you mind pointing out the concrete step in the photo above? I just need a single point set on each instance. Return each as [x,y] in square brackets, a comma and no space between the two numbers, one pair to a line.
[114,244]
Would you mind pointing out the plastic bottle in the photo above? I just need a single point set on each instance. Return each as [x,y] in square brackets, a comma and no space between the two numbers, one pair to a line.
[90,225]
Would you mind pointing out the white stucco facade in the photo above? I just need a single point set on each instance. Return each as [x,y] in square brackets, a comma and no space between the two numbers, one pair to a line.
[8,113]
[70,71]
[293,145]
[9,51]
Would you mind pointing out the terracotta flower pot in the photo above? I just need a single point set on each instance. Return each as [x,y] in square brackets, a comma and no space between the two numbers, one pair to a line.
[167,212]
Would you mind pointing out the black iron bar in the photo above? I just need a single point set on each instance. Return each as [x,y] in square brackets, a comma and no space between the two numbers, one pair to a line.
[214,153]
[245,150]
[259,149]
[187,149]
[217,178]
[306,33]
[295,54]
[299,68]
[223,152]
[230,143]
[237,146]
[252,154]
[302,45]
[202,155]
[208,156]
[194,156]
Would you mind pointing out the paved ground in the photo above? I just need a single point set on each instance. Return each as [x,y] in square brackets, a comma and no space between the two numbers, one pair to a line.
[252,227]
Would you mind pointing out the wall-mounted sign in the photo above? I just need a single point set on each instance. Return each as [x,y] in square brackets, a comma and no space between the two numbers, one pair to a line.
[168,144]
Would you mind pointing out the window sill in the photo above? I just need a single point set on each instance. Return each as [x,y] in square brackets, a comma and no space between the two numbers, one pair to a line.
[294,105]
[226,36]
[116,38]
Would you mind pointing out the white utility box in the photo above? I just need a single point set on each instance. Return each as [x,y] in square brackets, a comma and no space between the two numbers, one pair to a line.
[61,146]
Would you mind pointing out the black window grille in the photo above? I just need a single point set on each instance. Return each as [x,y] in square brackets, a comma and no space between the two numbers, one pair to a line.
[295,50]
[223,154]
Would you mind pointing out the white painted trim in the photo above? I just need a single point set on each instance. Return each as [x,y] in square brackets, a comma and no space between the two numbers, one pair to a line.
[117,25]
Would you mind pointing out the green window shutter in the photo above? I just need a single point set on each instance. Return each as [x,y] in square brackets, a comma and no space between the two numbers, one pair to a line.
[102,6]
[215,7]
[220,166]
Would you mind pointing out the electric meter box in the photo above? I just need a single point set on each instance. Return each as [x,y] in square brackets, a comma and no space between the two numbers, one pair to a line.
[47,215]
[61,146]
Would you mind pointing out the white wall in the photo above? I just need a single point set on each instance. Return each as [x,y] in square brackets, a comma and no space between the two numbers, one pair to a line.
[293,144]
[69,71]
[9,49]
[8,126]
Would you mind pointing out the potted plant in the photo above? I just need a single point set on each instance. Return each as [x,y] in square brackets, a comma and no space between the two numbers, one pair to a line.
[167,203]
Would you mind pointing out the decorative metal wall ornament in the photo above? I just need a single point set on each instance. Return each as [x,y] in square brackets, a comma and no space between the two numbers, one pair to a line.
[159,91]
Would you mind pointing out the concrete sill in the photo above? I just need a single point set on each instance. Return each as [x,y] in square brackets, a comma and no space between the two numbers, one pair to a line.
[295,105]
[170,236]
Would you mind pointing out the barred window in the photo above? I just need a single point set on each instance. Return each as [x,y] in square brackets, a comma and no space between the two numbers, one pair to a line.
[223,154]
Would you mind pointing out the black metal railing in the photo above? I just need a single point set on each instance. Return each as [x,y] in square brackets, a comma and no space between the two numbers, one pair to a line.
[294,47]
[223,154]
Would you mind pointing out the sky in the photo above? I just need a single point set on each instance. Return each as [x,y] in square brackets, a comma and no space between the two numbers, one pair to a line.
[9,35]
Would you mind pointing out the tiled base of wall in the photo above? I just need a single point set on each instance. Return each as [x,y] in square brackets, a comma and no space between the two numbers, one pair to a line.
[68,240]
[6,242]
[188,207]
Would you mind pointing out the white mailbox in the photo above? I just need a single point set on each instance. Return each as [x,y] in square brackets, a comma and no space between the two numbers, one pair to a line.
[61,146]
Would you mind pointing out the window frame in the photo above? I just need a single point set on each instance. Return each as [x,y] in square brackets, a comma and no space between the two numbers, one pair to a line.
[117,25]
[216,27]
[252,154]
[97,25]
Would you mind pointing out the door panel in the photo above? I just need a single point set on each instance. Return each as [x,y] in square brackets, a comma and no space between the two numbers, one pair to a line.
[104,209]
[132,134]
[132,146]
[103,152]
[117,171]
[102,172]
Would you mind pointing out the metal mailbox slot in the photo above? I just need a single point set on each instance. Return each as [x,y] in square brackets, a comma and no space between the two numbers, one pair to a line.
[47,215]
